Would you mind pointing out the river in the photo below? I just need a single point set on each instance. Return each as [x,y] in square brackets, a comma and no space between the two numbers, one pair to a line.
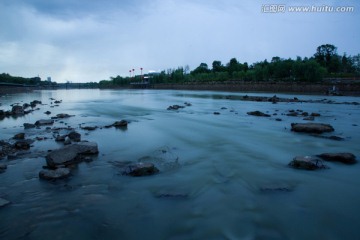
[222,176]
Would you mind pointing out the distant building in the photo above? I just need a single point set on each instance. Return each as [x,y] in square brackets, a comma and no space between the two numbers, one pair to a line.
[49,79]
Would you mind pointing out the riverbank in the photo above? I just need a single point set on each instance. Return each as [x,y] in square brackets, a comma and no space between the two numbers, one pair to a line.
[348,89]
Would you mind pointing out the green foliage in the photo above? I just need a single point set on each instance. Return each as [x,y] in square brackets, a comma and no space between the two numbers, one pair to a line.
[324,63]
[7,78]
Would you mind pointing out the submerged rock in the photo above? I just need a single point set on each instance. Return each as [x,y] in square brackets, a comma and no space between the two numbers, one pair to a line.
[71,154]
[347,158]
[19,136]
[307,163]
[311,127]
[43,122]
[29,125]
[4,202]
[3,167]
[175,107]
[258,114]
[59,173]
[140,169]
[121,123]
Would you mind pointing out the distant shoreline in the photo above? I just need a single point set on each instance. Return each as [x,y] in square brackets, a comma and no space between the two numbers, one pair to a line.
[345,89]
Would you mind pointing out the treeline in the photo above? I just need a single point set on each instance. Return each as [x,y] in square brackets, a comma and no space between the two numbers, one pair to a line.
[7,78]
[325,63]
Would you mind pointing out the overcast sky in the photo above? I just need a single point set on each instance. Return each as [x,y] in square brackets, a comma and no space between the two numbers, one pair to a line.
[91,40]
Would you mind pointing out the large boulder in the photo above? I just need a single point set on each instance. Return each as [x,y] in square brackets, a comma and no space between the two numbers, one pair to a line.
[70,154]
[307,163]
[58,173]
[311,127]
[141,169]
[347,158]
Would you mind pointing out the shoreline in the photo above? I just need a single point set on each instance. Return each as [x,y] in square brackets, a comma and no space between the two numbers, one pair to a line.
[344,89]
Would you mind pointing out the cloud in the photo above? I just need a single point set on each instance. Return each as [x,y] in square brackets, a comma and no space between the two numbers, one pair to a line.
[82,41]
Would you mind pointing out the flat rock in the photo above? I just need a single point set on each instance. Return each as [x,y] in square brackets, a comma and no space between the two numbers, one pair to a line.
[347,158]
[4,202]
[141,169]
[71,154]
[311,127]
[59,173]
[258,114]
[307,163]
[43,122]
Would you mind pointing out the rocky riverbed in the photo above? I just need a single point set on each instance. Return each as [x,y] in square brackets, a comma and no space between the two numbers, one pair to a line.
[143,154]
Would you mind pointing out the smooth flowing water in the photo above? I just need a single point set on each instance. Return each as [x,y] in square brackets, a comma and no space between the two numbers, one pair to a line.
[222,176]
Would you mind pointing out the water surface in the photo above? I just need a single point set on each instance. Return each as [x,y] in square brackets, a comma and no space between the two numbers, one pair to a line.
[217,174]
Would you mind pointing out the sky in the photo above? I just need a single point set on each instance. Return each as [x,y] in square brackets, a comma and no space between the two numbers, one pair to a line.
[92,40]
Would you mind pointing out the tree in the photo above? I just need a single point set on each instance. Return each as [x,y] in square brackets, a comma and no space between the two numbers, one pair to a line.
[202,68]
[326,55]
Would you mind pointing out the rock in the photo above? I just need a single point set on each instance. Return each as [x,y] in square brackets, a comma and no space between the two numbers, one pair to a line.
[4,202]
[59,173]
[63,115]
[43,122]
[29,125]
[187,104]
[58,101]
[67,141]
[119,124]
[175,107]
[311,127]
[315,114]
[47,112]
[60,138]
[258,114]
[90,128]
[22,145]
[307,163]
[19,136]
[17,110]
[74,136]
[3,167]
[278,119]
[26,105]
[141,169]
[310,118]
[216,113]
[292,114]
[347,158]
[34,103]
[70,154]
[335,138]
